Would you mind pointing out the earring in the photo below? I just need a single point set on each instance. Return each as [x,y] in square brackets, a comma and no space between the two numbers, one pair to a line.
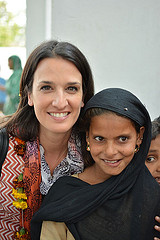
[88,148]
[136,149]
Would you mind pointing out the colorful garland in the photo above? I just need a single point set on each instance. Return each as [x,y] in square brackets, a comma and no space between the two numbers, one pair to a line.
[22,234]
[19,193]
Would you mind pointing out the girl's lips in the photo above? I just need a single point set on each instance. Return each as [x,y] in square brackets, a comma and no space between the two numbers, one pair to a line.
[112,163]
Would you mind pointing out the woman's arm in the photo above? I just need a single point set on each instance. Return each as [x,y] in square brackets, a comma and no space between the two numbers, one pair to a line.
[55,231]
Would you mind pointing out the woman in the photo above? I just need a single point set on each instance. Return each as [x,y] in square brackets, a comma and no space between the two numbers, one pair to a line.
[2,93]
[12,85]
[43,146]
[113,197]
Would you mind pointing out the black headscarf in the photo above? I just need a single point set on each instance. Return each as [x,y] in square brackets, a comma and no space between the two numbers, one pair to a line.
[122,207]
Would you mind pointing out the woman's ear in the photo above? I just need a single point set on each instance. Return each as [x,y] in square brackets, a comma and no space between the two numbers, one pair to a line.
[140,136]
[30,101]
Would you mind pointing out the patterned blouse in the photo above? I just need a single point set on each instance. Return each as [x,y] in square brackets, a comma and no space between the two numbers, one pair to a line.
[71,164]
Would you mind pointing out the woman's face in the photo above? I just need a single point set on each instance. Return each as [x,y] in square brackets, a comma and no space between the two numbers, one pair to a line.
[10,63]
[153,158]
[57,95]
[112,140]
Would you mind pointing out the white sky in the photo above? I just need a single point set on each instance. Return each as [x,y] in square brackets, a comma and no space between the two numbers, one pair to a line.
[17,7]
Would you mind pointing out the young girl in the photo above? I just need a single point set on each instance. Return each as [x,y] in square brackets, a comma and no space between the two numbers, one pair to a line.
[113,197]
[153,157]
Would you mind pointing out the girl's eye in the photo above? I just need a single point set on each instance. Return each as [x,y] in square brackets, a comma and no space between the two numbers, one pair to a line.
[98,138]
[123,139]
[72,89]
[150,159]
[45,88]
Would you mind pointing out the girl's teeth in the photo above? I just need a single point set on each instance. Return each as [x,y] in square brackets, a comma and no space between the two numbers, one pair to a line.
[110,161]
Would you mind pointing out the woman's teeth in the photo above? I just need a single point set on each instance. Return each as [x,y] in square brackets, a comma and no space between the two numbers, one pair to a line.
[59,115]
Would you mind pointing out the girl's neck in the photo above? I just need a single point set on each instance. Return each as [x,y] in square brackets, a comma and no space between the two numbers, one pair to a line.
[91,176]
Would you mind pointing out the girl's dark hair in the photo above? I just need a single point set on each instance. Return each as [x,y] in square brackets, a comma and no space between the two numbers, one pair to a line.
[155,127]
[23,123]
[84,127]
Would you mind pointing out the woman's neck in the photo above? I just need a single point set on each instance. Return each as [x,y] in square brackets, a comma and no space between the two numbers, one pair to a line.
[55,148]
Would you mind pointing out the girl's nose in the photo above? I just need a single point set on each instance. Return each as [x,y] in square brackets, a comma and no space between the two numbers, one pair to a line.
[110,150]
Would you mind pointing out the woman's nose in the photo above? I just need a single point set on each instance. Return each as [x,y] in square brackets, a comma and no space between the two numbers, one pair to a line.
[59,100]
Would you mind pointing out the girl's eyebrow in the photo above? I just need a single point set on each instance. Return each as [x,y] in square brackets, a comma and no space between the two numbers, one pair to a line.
[152,150]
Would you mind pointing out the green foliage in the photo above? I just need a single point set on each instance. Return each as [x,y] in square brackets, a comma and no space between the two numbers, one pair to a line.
[11,34]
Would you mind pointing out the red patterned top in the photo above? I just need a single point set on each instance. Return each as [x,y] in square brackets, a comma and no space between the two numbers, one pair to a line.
[9,215]
[11,219]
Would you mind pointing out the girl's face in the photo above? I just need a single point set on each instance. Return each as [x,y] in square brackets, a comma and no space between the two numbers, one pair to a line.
[57,95]
[112,140]
[153,158]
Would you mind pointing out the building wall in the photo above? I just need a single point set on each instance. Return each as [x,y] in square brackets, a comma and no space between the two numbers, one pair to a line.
[121,40]
[35,24]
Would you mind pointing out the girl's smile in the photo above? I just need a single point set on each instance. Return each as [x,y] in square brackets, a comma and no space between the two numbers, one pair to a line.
[112,140]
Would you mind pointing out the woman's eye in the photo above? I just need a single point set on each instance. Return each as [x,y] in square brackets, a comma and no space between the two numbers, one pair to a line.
[123,139]
[45,88]
[72,89]
[150,159]
[98,138]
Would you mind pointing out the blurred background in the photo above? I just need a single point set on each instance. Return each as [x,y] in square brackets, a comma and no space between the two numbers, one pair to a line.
[121,39]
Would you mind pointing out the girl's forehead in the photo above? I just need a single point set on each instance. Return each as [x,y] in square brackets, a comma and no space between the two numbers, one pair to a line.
[110,119]
[111,115]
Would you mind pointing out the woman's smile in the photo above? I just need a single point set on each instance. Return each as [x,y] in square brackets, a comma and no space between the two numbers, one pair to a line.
[57,91]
